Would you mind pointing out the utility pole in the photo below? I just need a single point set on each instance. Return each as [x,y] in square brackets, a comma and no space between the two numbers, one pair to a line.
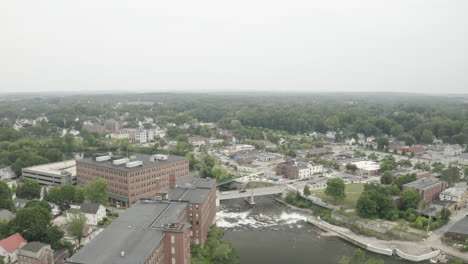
[428,223]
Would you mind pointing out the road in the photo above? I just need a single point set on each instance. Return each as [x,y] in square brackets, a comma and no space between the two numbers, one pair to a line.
[434,240]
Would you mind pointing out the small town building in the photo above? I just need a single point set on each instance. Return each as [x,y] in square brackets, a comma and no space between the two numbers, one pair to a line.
[314,152]
[463,159]
[429,189]
[453,150]
[94,212]
[52,174]
[36,253]
[457,195]
[248,168]
[6,173]
[459,231]
[198,141]
[10,246]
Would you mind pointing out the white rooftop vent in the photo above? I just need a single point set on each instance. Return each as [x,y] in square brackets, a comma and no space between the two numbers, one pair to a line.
[103,158]
[134,164]
[158,157]
[120,161]
[122,254]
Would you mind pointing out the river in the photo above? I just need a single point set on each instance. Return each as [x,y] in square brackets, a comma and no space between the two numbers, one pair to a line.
[271,233]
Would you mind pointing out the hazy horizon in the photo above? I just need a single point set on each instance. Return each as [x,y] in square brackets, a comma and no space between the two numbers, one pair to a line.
[210,46]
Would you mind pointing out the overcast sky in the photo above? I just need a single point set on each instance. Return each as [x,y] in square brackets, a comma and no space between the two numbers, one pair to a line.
[219,45]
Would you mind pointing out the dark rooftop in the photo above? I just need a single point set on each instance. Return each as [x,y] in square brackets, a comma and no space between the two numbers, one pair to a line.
[89,208]
[137,232]
[146,162]
[191,190]
[34,246]
[422,184]
[460,227]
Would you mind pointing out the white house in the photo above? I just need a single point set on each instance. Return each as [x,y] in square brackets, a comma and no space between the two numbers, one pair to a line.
[350,141]
[10,246]
[94,212]
[453,150]
[6,172]
[463,159]
[452,194]
[304,172]
[315,168]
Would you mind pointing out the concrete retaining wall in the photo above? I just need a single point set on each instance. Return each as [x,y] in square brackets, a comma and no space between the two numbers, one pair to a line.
[417,258]
[383,251]
[342,233]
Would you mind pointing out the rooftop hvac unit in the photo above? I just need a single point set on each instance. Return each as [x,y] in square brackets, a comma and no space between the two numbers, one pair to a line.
[161,157]
[120,161]
[134,164]
[103,158]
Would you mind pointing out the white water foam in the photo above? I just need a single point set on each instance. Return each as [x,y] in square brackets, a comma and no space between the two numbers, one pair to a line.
[226,219]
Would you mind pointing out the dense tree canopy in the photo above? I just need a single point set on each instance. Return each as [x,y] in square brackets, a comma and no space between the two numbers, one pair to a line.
[336,189]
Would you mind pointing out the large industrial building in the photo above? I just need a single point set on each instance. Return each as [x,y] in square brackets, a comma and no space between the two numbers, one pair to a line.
[134,178]
[52,174]
[157,231]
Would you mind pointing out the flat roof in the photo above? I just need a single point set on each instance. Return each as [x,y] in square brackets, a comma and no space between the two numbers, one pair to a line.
[195,191]
[54,168]
[137,232]
[147,163]
[367,165]
[460,227]
[453,192]
[422,184]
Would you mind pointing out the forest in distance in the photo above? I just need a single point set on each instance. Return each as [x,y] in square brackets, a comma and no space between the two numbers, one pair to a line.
[411,117]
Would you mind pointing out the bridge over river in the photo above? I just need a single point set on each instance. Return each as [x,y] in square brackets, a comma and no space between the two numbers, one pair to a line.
[250,193]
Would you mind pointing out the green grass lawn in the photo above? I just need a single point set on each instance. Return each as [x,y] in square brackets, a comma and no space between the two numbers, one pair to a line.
[353,191]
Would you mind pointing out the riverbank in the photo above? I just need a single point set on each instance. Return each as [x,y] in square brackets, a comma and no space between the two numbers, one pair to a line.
[273,233]
[412,251]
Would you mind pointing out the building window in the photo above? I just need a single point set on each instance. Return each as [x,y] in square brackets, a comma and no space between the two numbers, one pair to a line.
[173,260]
[172,239]
[172,250]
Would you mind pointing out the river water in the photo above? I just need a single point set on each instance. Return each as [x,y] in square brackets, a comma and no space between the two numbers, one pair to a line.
[271,233]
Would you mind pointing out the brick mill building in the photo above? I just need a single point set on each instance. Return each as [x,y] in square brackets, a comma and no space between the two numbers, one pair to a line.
[131,179]
[157,231]
[428,188]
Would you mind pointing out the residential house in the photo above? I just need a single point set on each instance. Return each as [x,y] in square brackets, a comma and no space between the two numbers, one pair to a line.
[463,159]
[197,141]
[6,172]
[36,253]
[330,136]
[94,212]
[458,195]
[453,150]
[10,246]
[350,141]
[418,150]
